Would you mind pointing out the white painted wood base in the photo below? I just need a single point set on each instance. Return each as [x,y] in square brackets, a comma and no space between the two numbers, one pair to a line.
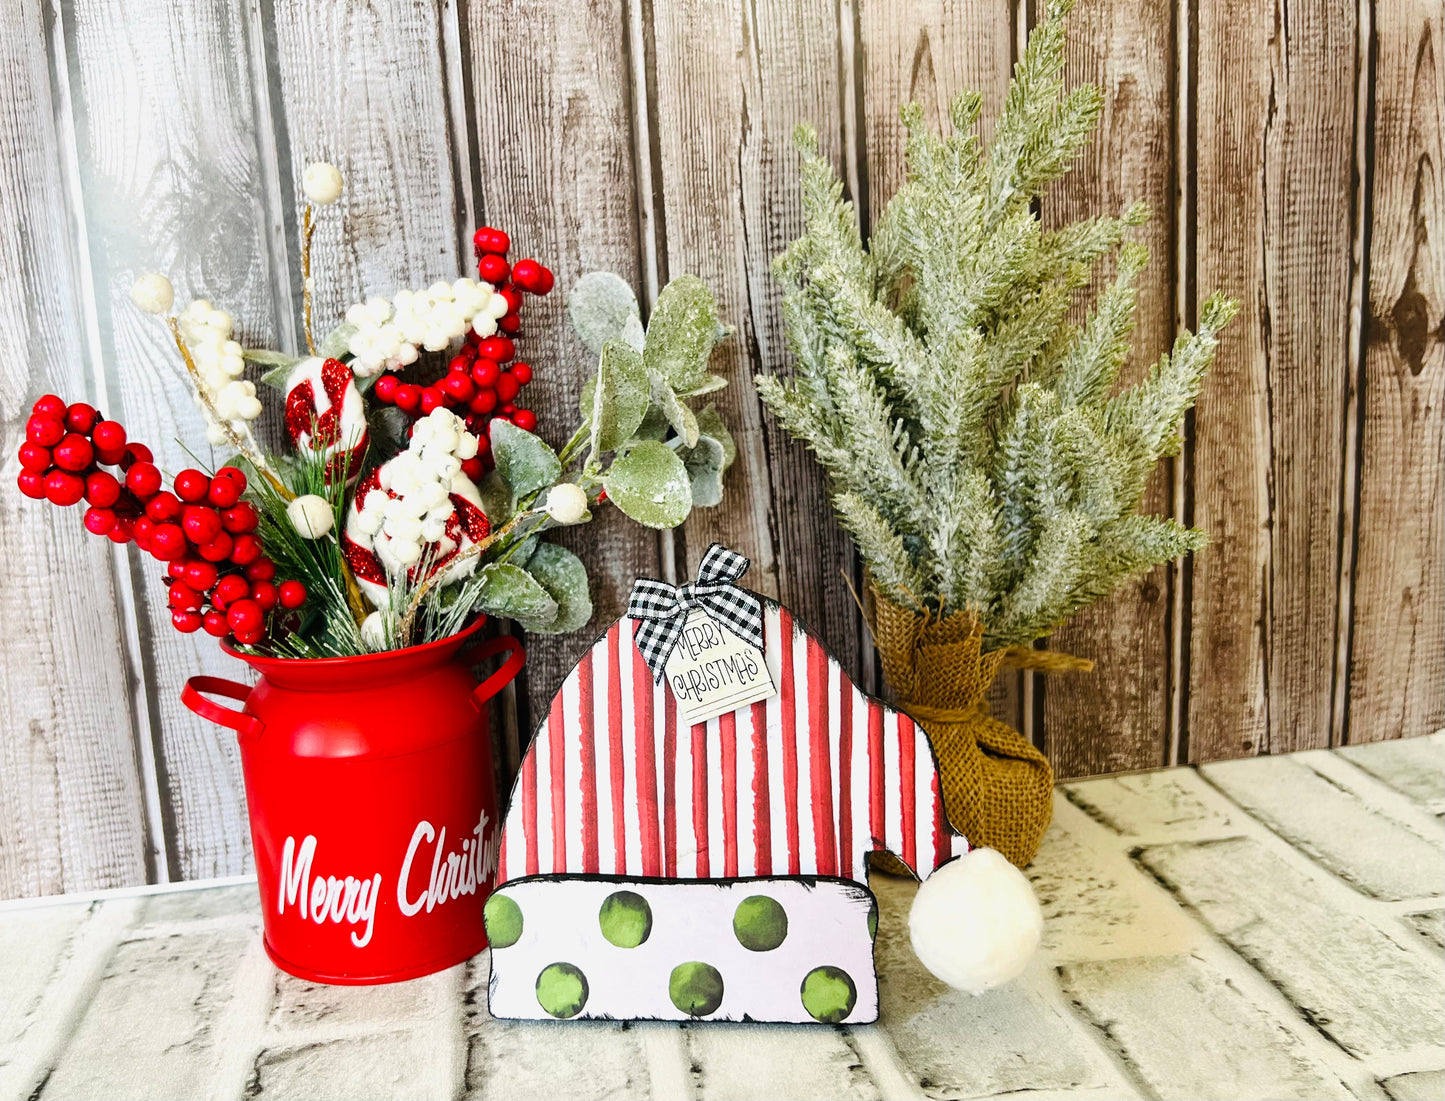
[1208,935]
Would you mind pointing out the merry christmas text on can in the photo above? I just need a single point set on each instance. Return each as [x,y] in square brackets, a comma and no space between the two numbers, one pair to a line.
[372,801]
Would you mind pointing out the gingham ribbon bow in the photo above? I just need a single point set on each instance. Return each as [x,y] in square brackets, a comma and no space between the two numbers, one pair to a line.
[662,609]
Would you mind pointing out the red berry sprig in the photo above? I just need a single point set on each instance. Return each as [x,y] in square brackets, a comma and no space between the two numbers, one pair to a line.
[220,577]
[484,379]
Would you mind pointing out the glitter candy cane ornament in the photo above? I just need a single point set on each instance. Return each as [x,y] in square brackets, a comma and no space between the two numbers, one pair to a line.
[325,411]
[417,510]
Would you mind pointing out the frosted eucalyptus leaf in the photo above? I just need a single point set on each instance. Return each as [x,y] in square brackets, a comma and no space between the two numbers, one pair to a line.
[634,334]
[710,423]
[650,484]
[704,464]
[268,358]
[510,592]
[682,332]
[337,342]
[654,425]
[708,385]
[619,394]
[562,574]
[524,460]
[600,305]
[498,503]
[522,555]
[682,419]
[281,366]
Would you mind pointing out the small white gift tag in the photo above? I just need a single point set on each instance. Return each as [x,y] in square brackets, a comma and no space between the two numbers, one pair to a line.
[711,671]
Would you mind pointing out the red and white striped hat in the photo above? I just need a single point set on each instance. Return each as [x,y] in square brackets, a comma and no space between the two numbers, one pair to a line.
[805,783]
[650,869]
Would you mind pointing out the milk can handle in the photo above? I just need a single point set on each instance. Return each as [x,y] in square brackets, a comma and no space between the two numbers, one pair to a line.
[503,676]
[247,726]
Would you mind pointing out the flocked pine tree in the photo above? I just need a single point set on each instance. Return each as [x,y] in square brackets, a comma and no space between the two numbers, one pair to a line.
[977,444]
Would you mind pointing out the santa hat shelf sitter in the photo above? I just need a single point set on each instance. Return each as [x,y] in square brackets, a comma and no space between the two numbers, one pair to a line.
[653,867]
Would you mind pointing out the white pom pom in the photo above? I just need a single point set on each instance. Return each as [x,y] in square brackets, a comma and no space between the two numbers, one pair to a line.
[406,553]
[975,922]
[321,182]
[310,515]
[373,632]
[497,307]
[153,293]
[403,529]
[566,503]
[484,324]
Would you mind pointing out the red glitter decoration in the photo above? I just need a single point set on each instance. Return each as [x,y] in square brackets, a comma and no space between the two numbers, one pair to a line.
[473,520]
[363,563]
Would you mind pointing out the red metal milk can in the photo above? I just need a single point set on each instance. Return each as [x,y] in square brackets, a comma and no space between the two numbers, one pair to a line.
[373,804]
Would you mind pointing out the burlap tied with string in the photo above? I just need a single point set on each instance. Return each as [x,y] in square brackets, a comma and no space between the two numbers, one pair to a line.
[997,788]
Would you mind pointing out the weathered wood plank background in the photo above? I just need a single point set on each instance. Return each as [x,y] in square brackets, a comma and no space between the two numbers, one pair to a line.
[1292,152]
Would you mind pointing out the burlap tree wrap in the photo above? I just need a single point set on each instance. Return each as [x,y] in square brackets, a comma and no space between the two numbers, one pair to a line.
[997,788]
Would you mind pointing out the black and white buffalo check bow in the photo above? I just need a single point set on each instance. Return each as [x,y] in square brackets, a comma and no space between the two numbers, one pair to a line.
[662,609]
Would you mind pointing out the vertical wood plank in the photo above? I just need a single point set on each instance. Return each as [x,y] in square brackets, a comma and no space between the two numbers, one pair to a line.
[168,161]
[929,52]
[732,81]
[343,96]
[1117,717]
[71,802]
[1397,678]
[1275,124]
[553,166]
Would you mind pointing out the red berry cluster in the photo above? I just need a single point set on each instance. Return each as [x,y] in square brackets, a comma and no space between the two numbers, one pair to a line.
[201,528]
[484,379]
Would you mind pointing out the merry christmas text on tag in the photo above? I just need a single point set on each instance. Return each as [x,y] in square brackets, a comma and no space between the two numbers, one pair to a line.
[711,671]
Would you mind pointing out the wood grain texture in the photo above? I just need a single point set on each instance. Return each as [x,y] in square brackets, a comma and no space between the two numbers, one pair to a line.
[1397,683]
[731,82]
[344,96]
[1117,717]
[1275,108]
[929,52]
[553,165]
[167,151]
[72,811]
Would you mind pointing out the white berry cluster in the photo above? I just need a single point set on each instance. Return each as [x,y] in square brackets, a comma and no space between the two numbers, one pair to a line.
[207,332]
[411,509]
[389,334]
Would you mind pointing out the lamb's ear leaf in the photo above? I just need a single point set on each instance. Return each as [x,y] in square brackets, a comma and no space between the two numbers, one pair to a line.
[650,484]
[281,367]
[600,305]
[710,423]
[526,461]
[617,408]
[510,592]
[704,465]
[682,419]
[337,342]
[563,575]
[682,332]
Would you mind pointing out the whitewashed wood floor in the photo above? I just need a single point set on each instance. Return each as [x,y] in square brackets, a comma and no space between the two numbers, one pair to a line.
[1269,928]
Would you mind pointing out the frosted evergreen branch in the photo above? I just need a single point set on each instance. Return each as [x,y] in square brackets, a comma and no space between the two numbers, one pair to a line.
[1091,367]
[970,430]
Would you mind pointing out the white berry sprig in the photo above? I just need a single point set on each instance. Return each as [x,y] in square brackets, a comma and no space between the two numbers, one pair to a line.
[226,400]
[391,333]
